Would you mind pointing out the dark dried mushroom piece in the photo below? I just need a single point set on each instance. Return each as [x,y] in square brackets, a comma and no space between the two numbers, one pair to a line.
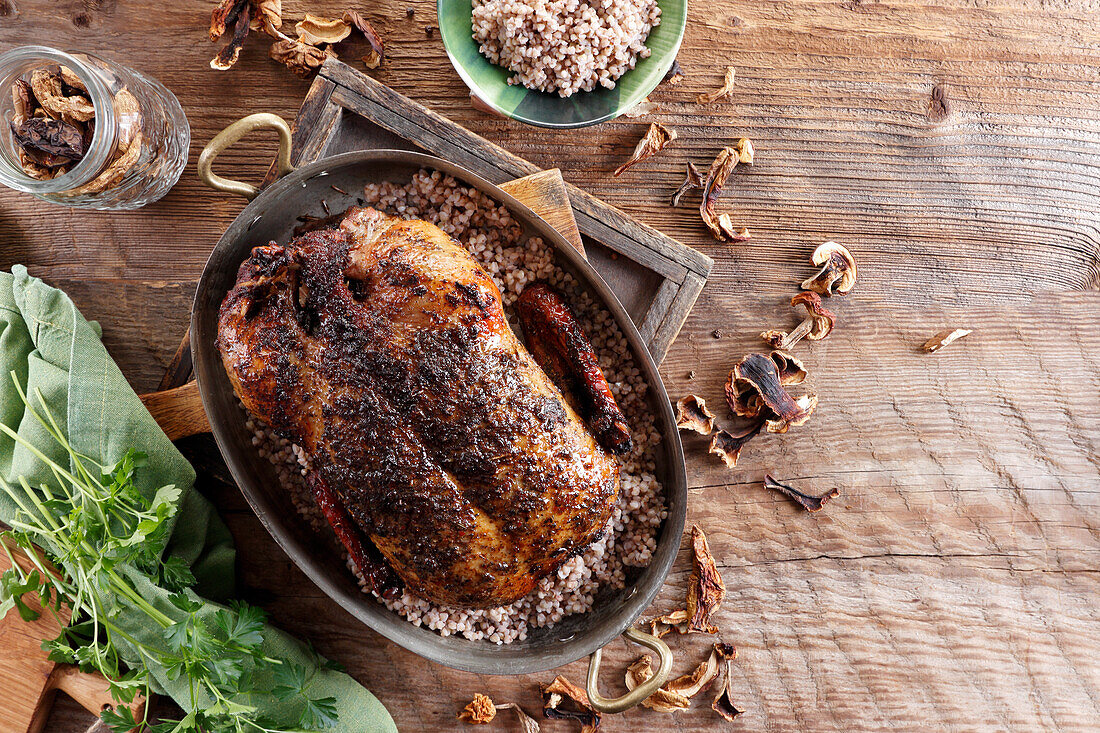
[817,325]
[224,16]
[721,225]
[726,90]
[723,701]
[656,138]
[791,370]
[944,338]
[754,384]
[838,270]
[377,53]
[479,711]
[706,589]
[727,445]
[560,690]
[49,142]
[301,58]
[692,414]
[662,700]
[229,54]
[808,502]
[692,180]
[674,75]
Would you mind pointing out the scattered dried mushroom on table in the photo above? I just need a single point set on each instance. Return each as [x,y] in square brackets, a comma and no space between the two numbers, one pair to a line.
[692,180]
[721,225]
[817,325]
[656,138]
[727,445]
[726,90]
[944,338]
[303,54]
[808,502]
[641,109]
[838,270]
[662,700]
[754,389]
[692,414]
[706,589]
[557,693]
[723,702]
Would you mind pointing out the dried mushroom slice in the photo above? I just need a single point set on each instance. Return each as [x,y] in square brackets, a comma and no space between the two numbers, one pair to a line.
[706,589]
[527,724]
[662,625]
[656,138]
[479,711]
[727,445]
[692,180]
[49,142]
[944,338]
[808,502]
[641,109]
[721,225]
[817,325]
[224,16]
[838,270]
[662,700]
[72,80]
[229,54]
[554,696]
[754,383]
[690,685]
[47,87]
[791,370]
[692,414]
[115,172]
[22,100]
[723,701]
[267,16]
[36,171]
[674,75]
[726,90]
[315,30]
[128,114]
[377,53]
[301,58]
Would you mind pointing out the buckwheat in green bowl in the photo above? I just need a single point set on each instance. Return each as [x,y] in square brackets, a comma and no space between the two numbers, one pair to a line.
[562,63]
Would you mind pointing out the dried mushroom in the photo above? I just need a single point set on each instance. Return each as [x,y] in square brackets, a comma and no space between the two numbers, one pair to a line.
[22,99]
[753,388]
[721,225]
[674,75]
[662,700]
[377,53]
[706,591]
[527,724]
[723,701]
[47,87]
[838,270]
[560,690]
[727,445]
[316,30]
[692,414]
[791,370]
[301,58]
[479,711]
[817,325]
[690,685]
[229,54]
[655,139]
[944,338]
[49,142]
[662,625]
[71,81]
[116,171]
[727,88]
[807,501]
[692,180]
[267,16]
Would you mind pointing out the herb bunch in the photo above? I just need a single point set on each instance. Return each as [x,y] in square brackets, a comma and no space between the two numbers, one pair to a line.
[98,535]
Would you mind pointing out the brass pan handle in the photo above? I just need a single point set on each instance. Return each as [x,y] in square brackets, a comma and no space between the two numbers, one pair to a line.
[233,133]
[639,693]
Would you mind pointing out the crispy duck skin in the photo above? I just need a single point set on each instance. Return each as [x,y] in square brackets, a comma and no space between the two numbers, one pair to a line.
[562,349]
[383,351]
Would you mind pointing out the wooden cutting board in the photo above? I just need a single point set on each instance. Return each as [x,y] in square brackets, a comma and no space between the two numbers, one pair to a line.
[28,680]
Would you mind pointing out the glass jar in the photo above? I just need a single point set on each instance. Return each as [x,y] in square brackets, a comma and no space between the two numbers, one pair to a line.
[134,148]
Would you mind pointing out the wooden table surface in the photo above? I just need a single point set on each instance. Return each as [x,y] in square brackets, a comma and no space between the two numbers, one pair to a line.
[953,145]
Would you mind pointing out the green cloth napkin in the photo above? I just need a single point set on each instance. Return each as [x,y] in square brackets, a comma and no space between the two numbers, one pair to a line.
[51,348]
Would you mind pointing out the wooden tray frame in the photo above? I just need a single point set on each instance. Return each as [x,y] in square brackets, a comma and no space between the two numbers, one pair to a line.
[681,272]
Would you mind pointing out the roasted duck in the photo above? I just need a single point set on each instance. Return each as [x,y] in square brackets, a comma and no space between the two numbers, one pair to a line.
[439,450]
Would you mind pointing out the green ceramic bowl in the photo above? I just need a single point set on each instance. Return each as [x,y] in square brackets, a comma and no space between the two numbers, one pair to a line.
[490,82]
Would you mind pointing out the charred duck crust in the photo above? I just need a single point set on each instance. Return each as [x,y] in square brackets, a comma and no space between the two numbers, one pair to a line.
[383,350]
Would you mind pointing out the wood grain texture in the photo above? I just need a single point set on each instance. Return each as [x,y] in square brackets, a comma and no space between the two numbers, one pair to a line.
[954,147]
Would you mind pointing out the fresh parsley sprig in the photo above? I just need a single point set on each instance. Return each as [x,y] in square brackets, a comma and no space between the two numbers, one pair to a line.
[86,534]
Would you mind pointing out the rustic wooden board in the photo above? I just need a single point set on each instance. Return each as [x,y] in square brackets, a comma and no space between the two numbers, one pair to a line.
[655,277]
[953,145]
